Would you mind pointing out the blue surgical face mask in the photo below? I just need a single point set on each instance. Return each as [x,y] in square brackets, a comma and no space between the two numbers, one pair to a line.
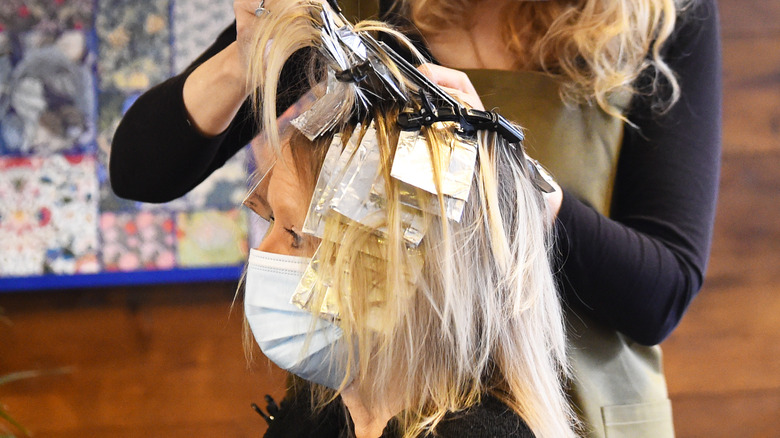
[311,348]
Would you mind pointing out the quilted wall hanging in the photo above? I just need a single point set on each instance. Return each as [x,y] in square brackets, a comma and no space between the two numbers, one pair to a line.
[68,71]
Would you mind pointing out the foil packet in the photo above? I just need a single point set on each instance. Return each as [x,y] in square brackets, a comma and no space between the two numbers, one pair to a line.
[254,201]
[315,280]
[413,164]
[359,194]
[336,160]
[327,111]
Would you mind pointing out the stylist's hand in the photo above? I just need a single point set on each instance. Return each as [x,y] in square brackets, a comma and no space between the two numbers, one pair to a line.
[247,22]
[454,82]
[214,92]
[459,85]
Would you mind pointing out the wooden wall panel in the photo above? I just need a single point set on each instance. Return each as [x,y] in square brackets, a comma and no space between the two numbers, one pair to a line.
[751,96]
[723,362]
[167,361]
[738,415]
[164,359]
[749,17]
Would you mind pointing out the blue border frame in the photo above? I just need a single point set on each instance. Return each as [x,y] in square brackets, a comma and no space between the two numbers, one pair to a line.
[132,278]
[129,278]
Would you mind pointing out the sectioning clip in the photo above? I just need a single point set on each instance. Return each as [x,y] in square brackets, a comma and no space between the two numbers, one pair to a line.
[470,119]
[334,4]
[355,74]
[435,104]
[449,109]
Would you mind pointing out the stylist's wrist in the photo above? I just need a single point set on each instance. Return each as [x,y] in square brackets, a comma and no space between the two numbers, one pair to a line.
[234,68]
[214,92]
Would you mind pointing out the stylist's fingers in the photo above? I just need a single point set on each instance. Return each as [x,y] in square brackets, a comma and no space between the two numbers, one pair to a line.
[470,99]
[245,25]
[249,14]
[247,10]
[458,81]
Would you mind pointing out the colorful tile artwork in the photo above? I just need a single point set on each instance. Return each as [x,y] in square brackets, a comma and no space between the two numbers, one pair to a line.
[196,24]
[48,217]
[47,89]
[69,70]
[212,237]
[132,242]
[134,43]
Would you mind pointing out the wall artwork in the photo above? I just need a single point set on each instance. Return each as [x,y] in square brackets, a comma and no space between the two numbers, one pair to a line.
[69,70]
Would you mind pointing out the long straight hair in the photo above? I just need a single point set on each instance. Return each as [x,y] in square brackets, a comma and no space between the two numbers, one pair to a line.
[473,310]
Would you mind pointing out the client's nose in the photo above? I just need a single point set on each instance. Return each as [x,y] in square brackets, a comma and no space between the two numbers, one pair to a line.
[275,242]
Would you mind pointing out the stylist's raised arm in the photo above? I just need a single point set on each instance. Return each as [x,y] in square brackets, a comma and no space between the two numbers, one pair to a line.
[215,91]
[181,130]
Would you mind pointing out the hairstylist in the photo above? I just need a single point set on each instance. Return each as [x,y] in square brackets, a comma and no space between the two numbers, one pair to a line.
[635,220]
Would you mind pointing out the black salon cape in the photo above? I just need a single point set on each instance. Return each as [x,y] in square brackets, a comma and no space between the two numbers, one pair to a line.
[489,419]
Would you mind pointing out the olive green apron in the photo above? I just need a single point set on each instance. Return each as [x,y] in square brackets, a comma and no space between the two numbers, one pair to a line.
[618,386]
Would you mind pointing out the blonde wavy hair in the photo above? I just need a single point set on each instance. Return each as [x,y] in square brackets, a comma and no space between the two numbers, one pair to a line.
[596,48]
[481,317]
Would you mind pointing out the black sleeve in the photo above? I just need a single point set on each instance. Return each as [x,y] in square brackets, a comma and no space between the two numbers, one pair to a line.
[156,153]
[638,270]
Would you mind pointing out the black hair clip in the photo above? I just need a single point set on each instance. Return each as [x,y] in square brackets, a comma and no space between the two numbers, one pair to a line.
[355,74]
[470,119]
[437,106]
[334,4]
[271,407]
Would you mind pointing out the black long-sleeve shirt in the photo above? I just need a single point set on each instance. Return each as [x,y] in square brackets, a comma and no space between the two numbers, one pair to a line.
[635,271]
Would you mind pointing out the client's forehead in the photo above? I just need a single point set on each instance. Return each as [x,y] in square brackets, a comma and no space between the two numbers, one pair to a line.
[286,185]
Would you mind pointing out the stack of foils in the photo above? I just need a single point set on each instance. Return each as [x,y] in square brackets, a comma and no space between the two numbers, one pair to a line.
[432,178]
[351,191]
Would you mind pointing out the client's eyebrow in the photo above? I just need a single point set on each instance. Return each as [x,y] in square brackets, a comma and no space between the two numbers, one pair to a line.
[255,200]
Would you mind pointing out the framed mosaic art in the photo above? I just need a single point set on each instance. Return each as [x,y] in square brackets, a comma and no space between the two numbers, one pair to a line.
[69,69]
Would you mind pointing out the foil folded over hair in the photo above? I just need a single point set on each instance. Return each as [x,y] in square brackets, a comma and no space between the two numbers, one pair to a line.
[316,282]
[349,62]
[326,112]
[414,165]
[351,184]
[350,191]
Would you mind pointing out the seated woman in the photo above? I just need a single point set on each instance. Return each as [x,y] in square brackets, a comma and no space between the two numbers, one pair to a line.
[405,271]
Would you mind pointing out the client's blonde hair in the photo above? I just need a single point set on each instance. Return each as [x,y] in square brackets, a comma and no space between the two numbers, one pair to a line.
[482,316]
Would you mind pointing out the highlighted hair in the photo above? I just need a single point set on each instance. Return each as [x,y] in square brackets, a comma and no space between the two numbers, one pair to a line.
[483,316]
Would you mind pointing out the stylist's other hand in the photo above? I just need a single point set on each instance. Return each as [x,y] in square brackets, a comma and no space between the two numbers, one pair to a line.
[454,82]
[554,201]
[459,85]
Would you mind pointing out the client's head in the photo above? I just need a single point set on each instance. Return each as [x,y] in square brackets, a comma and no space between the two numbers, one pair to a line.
[411,265]
[283,191]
